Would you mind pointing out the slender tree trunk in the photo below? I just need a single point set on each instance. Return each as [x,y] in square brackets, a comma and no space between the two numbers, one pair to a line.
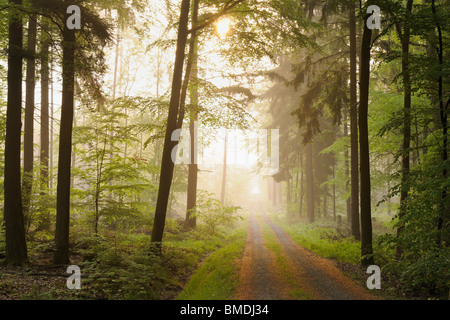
[288,195]
[65,149]
[347,173]
[114,94]
[193,167]
[280,192]
[73,160]
[167,165]
[16,247]
[318,206]
[52,114]
[405,40]
[366,215]
[45,129]
[354,170]
[28,148]
[309,182]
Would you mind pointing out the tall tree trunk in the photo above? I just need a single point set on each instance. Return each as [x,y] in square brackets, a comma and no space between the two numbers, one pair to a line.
[191,221]
[309,182]
[73,160]
[302,184]
[167,165]
[443,114]
[114,93]
[65,149]
[28,148]
[280,192]
[347,172]
[405,41]
[366,215]
[16,247]
[45,129]
[354,170]
[288,195]
[52,114]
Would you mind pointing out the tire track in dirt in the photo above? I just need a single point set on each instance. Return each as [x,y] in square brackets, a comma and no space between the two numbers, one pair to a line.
[259,278]
[322,275]
[317,277]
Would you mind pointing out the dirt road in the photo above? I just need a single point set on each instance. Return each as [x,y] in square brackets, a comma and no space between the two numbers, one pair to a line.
[274,267]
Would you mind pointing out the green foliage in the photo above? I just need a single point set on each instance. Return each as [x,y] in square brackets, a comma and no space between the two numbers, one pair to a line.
[326,242]
[108,181]
[118,265]
[213,213]
[423,268]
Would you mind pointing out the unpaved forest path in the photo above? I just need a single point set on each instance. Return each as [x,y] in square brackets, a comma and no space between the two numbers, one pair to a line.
[274,267]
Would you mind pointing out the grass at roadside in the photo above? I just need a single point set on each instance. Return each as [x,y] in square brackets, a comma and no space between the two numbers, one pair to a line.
[322,238]
[218,276]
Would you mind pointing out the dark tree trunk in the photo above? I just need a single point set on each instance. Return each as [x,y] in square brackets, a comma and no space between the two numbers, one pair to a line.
[167,165]
[16,247]
[405,41]
[366,215]
[443,114]
[354,170]
[28,147]
[309,182]
[65,150]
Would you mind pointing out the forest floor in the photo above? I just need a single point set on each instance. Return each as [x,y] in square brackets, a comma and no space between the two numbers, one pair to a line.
[274,267]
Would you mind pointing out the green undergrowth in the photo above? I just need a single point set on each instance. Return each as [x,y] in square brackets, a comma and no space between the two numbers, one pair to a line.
[130,270]
[123,265]
[323,240]
[218,276]
[327,239]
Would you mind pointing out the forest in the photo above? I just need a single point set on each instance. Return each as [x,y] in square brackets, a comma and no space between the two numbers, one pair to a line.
[224,150]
